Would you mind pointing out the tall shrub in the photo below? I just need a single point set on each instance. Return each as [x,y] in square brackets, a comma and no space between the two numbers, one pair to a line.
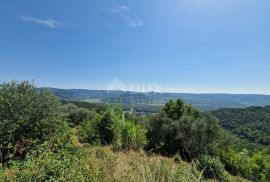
[28,116]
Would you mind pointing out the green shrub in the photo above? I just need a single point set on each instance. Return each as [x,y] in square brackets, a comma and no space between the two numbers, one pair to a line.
[103,129]
[28,117]
[177,158]
[133,136]
[111,128]
[88,132]
[212,167]
[181,129]
[196,137]
[108,127]
[158,129]
[76,115]
[255,167]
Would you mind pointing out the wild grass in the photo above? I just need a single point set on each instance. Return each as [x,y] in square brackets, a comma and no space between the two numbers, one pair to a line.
[101,164]
[95,164]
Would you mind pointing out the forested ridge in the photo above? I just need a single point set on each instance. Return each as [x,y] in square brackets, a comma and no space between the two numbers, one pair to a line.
[156,100]
[251,123]
[43,139]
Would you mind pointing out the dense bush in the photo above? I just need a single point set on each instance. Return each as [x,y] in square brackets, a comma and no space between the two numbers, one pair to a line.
[27,117]
[181,129]
[76,115]
[111,128]
[212,167]
[255,167]
[133,136]
[88,132]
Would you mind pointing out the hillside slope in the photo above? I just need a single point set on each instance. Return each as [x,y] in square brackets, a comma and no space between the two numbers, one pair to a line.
[251,123]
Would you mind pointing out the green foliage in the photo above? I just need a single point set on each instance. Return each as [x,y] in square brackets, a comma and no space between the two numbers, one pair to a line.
[255,167]
[180,128]
[251,123]
[84,104]
[111,128]
[88,132]
[33,128]
[95,164]
[158,128]
[175,110]
[212,167]
[133,136]
[84,114]
[27,117]
[76,115]
[108,127]
[198,136]
[177,158]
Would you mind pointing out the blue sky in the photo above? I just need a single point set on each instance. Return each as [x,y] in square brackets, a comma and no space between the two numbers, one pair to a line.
[185,45]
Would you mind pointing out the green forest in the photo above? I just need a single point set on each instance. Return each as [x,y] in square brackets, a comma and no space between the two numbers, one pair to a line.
[45,139]
[251,123]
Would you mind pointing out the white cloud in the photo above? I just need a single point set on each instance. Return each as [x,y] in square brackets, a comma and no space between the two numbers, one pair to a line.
[46,22]
[124,12]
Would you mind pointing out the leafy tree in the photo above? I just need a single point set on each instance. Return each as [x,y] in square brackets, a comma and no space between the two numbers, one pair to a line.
[180,128]
[71,111]
[27,117]
[76,115]
[159,130]
[175,110]
[83,115]
[196,136]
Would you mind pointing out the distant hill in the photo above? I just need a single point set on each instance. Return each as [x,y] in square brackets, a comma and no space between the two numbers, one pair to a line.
[251,123]
[200,101]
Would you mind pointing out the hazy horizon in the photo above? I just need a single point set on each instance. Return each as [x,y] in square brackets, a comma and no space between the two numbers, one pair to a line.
[163,90]
[181,92]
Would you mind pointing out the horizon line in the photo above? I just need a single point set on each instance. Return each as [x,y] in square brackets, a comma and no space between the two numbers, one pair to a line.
[165,92]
